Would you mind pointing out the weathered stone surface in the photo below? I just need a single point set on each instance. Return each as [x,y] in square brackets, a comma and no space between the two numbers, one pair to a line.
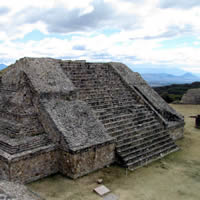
[14,191]
[77,123]
[45,75]
[134,79]
[79,164]
[34,166]
[102,190]
[75,117]
[192,96]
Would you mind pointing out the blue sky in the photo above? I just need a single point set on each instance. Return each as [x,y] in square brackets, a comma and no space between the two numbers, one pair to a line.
[142,34]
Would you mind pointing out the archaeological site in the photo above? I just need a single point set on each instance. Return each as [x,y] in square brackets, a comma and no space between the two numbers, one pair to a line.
[192,96]
[74,117]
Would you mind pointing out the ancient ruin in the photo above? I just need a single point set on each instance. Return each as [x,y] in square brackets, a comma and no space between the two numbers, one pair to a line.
[192,96]
[75,117]
[16,191]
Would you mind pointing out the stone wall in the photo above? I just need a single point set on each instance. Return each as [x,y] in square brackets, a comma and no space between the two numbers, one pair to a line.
[192,96]
[34,167]
[29,167]
[79,164]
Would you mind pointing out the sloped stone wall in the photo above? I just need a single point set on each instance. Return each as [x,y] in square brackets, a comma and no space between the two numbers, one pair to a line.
[192,96]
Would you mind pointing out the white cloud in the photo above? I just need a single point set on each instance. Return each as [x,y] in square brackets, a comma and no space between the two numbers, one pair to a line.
[142,26]
[105,48]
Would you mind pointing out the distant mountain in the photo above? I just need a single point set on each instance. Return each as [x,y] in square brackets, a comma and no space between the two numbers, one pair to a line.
[162,79]
[156,69]
[175,92]
[2,66]
[189,75]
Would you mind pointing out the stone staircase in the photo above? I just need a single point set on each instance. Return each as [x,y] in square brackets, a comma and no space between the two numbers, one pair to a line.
[19,122]
[140,134]
[13,146]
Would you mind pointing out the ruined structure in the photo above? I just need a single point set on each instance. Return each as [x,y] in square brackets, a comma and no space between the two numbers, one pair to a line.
[192,96]
[75,117]
[15,191]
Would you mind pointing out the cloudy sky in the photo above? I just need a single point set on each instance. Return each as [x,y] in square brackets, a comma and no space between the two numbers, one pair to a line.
[140,33]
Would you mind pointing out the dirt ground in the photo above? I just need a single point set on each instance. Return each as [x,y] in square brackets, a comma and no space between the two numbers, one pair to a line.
[175,177]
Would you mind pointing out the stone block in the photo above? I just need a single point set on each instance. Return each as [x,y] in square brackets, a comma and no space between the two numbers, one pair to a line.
[102,190]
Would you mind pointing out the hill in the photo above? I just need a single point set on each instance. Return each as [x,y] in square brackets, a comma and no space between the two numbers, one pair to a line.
[2,66]
[163,79]
[175,92]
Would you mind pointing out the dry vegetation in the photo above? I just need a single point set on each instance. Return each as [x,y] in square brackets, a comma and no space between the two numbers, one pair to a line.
[3,71]
[174,177]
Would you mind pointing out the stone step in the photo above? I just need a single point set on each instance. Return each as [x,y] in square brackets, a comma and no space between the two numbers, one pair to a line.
[103,94]
[139,117]
[4,114]
[12,149]
[149,149]
[120,126]
[134,109]
[126,144]
[103,91]
[99,86]
[132,137]
[139,120]
[152,157]
[16,116]
[130,119]
[128,147]
[138,128]
[132,129]
[110,100]
[77,66]
[117,123]
[115,105]
[98,105]
[95,81]
[114,118]
[92,76]
[8,126]
[104,97]
[91,73]
[120,108]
